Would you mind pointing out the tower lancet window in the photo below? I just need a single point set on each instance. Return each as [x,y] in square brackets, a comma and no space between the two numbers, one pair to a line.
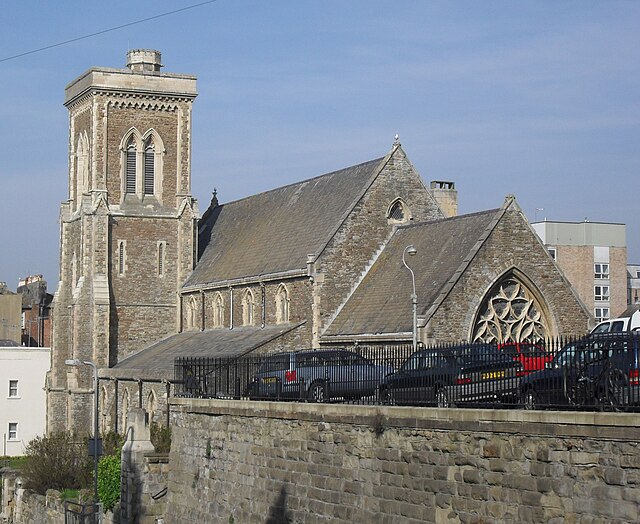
[149,167]
[130,168]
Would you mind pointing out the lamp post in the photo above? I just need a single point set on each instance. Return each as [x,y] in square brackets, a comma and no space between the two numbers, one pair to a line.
[411,249]
[78,362]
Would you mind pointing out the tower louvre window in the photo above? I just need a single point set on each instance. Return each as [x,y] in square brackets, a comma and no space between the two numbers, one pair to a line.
[121,257]
[149,169]
[130,185]
[161,249]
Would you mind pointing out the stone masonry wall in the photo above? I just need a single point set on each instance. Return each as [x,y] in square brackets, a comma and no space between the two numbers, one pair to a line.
[512,244]
[366,228]
[309,463]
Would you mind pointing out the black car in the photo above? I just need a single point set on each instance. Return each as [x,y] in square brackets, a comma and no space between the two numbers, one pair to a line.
[445,377]
[317,375]
[600,370]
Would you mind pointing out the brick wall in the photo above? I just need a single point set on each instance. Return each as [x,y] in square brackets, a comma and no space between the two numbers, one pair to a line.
[341,463]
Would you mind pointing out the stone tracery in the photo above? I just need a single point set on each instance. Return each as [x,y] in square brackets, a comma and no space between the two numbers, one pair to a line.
[510,313]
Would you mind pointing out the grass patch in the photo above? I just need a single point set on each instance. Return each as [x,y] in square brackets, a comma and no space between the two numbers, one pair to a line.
[12,462]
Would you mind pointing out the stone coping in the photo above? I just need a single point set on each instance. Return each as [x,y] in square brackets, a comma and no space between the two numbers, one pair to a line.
[587,424]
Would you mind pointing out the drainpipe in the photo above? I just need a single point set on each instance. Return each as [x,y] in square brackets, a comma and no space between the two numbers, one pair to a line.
[264,305]
[202,308]
[230,307]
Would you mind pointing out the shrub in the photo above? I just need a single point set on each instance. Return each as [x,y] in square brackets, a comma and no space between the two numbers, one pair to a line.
[57,461]
[160,438]
[109,480]
[112,443]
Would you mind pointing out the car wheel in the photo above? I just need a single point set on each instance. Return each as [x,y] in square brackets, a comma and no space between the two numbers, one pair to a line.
[317,392]
[616,383]
[387,398]
[530,399]
[442,398]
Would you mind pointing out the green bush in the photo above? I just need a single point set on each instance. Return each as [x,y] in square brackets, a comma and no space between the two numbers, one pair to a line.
[160,438]
[109,480]
[57,461]
[112,443]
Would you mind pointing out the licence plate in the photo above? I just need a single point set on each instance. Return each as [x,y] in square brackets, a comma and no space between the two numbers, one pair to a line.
[488,375]
[268,380]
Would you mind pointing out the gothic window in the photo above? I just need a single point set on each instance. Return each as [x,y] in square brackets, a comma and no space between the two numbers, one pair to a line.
[248,305]
[152,406]
[149,167]
[161,257]
[82,167]
[105,423]
[126,401]
[218,310]
[122,256]
[510,313]
[282,304]
[131,154]
[142,163]
[192,309]
[398,212]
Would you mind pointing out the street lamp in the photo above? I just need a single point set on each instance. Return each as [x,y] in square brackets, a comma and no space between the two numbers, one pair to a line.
[78,362]
[411,249]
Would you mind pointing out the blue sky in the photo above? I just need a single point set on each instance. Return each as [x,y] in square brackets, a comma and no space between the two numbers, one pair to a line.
[536,99]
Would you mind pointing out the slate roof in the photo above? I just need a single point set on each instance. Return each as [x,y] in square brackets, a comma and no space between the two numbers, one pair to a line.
[382,302]
[156,361]
[296,220]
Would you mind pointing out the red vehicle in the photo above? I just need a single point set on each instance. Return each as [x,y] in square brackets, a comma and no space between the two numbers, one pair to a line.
[531,356]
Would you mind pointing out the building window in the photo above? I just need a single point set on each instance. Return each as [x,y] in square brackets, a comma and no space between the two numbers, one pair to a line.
[248,305]
[601,313]
[601,293]
[552,252]
[13,431]
[192,312]
[398,212]
[218,310]
[601,271]
[131,167]
[13,388]
[282,305]
[149,167]
[161,255]
[122,256]
[510,312]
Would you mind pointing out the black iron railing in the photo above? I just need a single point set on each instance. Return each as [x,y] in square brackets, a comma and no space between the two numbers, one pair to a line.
[593,372]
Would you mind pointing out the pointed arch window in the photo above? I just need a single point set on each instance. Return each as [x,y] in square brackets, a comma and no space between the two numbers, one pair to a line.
[126,401]
[149,167]
[82,167]
[192,308]
[131,155]
[511,312]
[398,212]
[162,248]
[152,406]
[282,304]
[248,306]
[218,310]
[122,256]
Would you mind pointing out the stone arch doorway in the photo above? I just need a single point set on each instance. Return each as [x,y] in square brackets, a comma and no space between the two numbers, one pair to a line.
[512,311]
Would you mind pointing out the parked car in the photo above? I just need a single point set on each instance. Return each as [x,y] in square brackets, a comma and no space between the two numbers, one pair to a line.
[531,356]
[595,371]
[446,377]
[629,322]
[317,375]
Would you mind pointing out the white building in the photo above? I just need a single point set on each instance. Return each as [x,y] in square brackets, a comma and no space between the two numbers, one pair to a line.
[22,396]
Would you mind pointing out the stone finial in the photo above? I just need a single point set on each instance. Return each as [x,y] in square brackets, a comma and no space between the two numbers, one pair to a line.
[396,140]
[144,60]
[214,198]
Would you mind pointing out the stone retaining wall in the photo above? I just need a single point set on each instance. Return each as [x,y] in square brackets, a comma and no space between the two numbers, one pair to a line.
[287,462]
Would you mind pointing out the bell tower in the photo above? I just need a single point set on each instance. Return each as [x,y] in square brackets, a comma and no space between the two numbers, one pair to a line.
[128,228]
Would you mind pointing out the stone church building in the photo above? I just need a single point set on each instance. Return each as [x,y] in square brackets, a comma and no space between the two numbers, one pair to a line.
[144,279]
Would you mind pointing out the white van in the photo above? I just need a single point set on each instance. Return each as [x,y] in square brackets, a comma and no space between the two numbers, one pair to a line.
[630,321]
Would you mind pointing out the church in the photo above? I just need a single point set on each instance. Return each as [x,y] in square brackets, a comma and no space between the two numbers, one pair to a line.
[323,262]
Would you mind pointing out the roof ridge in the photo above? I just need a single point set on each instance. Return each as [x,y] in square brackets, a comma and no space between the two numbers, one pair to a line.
[300,182]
